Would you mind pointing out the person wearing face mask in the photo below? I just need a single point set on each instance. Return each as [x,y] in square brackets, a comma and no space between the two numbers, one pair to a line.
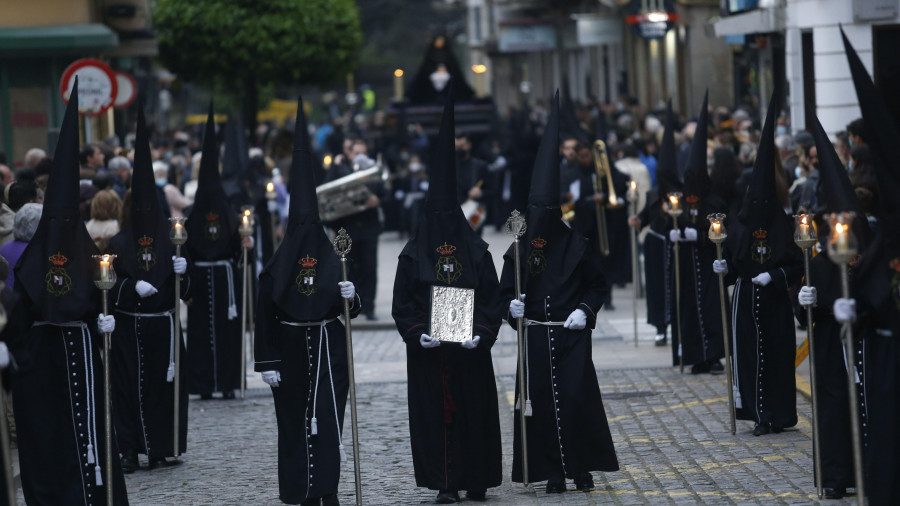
[175,201]
[409,190]
[474,181]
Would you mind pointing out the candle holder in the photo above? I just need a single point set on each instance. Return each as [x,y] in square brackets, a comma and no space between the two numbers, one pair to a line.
[248,221]
[674,210]
[106,280]
[717,235]
[178,235]
[842,249]
[805,237]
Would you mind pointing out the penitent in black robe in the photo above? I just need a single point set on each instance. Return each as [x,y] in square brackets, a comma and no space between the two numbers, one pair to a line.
[312,360]
[454,421]
[657,272]
[214,324]
[143,368]
[567,431]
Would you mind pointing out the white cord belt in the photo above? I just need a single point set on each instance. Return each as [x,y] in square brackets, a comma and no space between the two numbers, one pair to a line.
[170,372]
[232,306]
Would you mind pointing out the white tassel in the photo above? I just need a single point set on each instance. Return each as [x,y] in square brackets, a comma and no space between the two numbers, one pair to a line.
[528,407]
[343,454]
[98,476]
[170,373]
[518,405]
[315,426]
[90,454]
[232,312]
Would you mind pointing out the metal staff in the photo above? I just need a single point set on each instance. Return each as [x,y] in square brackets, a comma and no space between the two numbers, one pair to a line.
[717,236]
[635,276]
[342,244]
[246,230]
[272,206]
[105,283]
[516,226]
[4,432]
[675,211]
[842,250]
[178,236]
[805,237]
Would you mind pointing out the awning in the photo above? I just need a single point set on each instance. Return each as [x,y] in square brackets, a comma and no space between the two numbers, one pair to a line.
[756,21]
[56,40]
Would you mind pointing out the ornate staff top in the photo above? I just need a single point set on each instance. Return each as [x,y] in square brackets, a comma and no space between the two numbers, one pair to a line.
[342,243]
[515,224]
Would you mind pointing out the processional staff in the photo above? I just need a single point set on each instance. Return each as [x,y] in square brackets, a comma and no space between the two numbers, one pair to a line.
[105,282]
[516,227]
[632,197]
[717,236]
[675,211]
[342,244]
[178,235]
[245,229]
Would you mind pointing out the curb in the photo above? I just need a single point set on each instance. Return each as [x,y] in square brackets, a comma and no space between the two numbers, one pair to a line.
[803,387]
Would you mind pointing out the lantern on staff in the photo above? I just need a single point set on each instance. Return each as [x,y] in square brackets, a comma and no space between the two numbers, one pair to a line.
[675,209]
[842,246]
[717,233]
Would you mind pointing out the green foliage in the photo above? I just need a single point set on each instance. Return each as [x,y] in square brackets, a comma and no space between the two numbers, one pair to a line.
[230,43]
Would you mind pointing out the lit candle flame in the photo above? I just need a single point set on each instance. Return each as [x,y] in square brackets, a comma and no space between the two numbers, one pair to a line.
[327,160]
[839,228]
[633,185]
[270,187]
[398,73]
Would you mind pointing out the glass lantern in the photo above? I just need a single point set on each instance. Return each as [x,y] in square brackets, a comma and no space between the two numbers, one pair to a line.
[178,233]
[842,246]
[106,276]
[675,209]
[717,233]
[248,222]
[805,235]
[632,195]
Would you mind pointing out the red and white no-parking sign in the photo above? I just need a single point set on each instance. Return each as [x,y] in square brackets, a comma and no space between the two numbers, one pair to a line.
[127,90]
[97,86]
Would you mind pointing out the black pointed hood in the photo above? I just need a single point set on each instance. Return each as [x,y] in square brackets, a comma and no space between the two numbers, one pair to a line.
[836,190]
[143,246]
[882,135]
[568,121]
[545,175]
[667,177]
[763,233]
[443,244]
[212,225]
[696,176]
[235,160]
[550,250]
[305,270]
[57,270]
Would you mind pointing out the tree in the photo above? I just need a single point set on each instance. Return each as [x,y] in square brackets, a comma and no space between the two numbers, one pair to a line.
[241,45]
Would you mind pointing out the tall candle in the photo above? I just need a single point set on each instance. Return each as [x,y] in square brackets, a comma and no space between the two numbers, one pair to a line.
[717,228]
[104,268]
[804,228]
[673,199]
[179,233]
[398,85]
[842,242]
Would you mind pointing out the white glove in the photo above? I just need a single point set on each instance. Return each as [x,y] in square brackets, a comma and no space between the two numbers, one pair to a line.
[144,289]
[180,264]
[106,324]
[674,235]
[807,296]
[271,378]
[348,291]
[844,310]
[470,344]
[762,279]
[690,234]
[4,356]
[517,307]
[720,266]
[428,342]
[576,321]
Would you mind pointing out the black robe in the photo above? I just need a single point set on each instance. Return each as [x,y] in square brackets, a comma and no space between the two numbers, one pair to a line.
[59,410]
[657,263]
[567,431]
[142,355]
[214,324]
[307,356]
[763,336]
[617,265]
[454,421]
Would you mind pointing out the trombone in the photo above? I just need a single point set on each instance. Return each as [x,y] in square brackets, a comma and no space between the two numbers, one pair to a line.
[602,170]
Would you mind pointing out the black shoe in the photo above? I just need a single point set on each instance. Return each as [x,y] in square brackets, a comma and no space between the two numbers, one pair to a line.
[205,397]
[835,493]
[447,497]
[228,395]
[716,367]
[776,429]
[609,307]
[129,461]
[330,500]
[476,495]
[584,482]
[660,340]
[556,486]
[761,429]
[155,462]
[701,368]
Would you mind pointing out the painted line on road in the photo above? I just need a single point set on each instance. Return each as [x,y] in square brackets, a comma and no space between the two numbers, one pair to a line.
[709,443]
[636,473]
[730,495]
[668,408]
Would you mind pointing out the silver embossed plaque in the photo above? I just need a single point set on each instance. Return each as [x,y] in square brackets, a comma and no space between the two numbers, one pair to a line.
[452,313]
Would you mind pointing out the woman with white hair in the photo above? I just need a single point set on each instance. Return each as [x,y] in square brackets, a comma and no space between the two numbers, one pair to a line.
[24,225]
[177,202]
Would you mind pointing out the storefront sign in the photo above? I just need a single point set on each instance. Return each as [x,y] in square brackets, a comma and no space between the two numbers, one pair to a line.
[97,86]
[597,31]
[652,24]
[526,36]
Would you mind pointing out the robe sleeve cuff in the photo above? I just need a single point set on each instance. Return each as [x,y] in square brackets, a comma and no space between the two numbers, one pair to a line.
[267,365]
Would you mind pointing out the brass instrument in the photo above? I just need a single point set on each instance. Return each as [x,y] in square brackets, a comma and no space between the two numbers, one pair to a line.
[601,164]
[347,196]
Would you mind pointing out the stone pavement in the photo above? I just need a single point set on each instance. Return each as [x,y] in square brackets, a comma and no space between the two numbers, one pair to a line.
[670,430]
